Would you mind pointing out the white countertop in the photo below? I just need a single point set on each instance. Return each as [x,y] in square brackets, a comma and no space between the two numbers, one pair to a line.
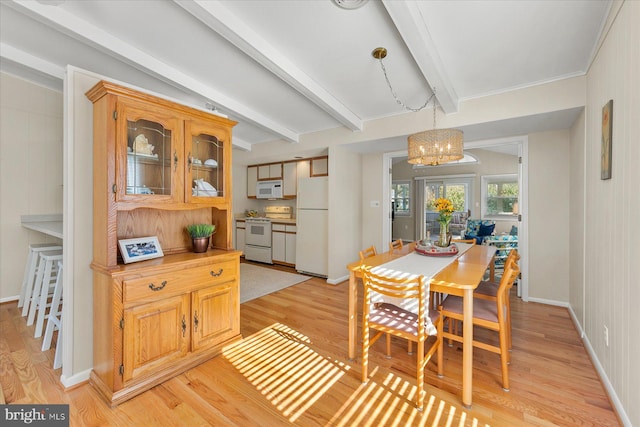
[50,225]
[273,220]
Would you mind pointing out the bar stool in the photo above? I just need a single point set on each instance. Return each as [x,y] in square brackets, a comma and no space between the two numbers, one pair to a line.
[45,282]
[54,320]
[31,271]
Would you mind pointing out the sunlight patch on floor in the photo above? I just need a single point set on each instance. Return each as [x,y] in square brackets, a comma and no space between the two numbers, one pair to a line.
[280,363]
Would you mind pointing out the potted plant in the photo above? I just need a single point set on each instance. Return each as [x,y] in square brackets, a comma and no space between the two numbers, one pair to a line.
[200,235]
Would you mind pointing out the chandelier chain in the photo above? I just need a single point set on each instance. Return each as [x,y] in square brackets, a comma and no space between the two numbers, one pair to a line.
[398,101]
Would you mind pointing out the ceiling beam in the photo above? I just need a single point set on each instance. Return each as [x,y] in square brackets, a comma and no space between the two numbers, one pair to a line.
[23,58]
[217,17]
[83,31]
[408,19]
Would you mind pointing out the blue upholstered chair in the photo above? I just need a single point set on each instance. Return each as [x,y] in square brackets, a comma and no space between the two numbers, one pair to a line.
[479,229]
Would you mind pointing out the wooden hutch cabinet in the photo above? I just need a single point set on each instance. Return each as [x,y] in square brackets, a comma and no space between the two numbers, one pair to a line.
[158,167]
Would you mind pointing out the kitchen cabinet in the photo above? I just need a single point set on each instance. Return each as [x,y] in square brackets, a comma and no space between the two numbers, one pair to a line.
[252,180]
[270,171]
[289,171]
[283,244]
[290,179]
[159,166]
[320,166]
[240,235]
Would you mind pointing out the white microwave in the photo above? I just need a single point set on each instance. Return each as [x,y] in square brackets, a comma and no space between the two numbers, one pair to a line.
[269,189]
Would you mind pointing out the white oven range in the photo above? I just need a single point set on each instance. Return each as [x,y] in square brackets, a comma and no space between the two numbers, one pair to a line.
[258,240]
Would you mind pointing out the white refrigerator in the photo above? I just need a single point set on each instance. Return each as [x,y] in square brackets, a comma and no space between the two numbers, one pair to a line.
[312,232]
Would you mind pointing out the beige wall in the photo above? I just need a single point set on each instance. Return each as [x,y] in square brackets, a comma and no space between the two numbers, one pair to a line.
[576,216]
[612,208]
[30,171]
[549,216]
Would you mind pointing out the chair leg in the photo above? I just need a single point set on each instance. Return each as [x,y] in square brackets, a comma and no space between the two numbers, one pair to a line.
[420,376]
[388,346]
[504,358]
[440,349]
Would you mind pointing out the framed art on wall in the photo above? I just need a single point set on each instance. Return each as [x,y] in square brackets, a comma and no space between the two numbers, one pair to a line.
[607,133]
[140,249]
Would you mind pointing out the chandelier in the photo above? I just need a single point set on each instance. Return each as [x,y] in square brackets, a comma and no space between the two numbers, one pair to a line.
[429,147]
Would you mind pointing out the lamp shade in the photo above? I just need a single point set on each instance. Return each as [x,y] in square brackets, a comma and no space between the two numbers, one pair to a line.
[433,147]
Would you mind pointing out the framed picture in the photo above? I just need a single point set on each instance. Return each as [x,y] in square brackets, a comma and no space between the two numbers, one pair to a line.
[607,132]
[140,249]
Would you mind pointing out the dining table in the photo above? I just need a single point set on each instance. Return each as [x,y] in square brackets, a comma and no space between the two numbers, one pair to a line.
[460,276]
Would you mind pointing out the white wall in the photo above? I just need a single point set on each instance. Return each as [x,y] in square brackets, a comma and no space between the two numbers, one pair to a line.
[612,210]
[30,171]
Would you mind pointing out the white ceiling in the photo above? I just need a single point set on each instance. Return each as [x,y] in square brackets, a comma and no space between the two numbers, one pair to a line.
[285,68]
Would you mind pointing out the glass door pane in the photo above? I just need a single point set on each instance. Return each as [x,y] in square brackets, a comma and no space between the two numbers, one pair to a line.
[148,169]
[207,165]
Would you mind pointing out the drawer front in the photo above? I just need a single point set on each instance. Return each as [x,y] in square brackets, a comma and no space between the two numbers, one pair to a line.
[278,227]
[177,282]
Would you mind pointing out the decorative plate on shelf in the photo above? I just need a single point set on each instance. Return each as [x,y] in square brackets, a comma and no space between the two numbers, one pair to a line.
[429,249]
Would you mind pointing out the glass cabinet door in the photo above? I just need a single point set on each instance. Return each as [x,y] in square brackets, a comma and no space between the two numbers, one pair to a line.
[206,162]
[151,156]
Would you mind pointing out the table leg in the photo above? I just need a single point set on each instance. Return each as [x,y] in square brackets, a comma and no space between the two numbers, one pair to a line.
[492,269]
[467,348]
[353,324]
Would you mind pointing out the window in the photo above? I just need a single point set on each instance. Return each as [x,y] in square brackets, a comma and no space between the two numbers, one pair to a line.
[500,196]
[401,198]
[456,189]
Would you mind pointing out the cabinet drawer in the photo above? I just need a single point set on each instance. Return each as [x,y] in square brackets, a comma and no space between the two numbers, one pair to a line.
[176,282]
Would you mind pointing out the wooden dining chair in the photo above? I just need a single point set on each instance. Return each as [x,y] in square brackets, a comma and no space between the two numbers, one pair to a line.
[488,290]
[369,252]
[396,244]
[390,319]
[486,314]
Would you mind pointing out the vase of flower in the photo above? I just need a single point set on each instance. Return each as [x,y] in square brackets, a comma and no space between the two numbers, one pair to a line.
[445,209]
[445,235]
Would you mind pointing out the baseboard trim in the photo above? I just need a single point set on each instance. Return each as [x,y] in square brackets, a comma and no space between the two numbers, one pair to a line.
[549,302]
[613,397]
[75,380]
[338,280]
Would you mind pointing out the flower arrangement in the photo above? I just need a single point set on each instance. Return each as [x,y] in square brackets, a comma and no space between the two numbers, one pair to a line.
[445,208]
[197,231]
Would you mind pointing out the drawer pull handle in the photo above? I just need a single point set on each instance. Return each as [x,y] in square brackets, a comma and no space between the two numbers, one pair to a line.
[157,288]
[184,325]
[214,274]
[195,321]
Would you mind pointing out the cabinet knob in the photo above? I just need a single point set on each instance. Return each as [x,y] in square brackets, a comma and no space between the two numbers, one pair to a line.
[195,321]
[184,325]
[175,160]
[157,288]
[214,274]
[189,160]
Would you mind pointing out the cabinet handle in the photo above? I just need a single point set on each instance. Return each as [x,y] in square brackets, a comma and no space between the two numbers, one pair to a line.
[214,274]
[157,288]
[189,160]
[184,325]
[195,321]
[175,160]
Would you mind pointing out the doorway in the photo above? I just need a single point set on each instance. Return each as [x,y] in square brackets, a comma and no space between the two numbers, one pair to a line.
[517,147]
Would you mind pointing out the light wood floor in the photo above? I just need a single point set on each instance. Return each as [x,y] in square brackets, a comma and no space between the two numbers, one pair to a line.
[291,369]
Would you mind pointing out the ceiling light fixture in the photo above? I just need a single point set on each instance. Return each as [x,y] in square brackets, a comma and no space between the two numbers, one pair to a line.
[350,4]
[430,147]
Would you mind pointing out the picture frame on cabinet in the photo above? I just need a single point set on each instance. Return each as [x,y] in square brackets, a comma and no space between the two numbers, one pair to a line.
[140,249]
